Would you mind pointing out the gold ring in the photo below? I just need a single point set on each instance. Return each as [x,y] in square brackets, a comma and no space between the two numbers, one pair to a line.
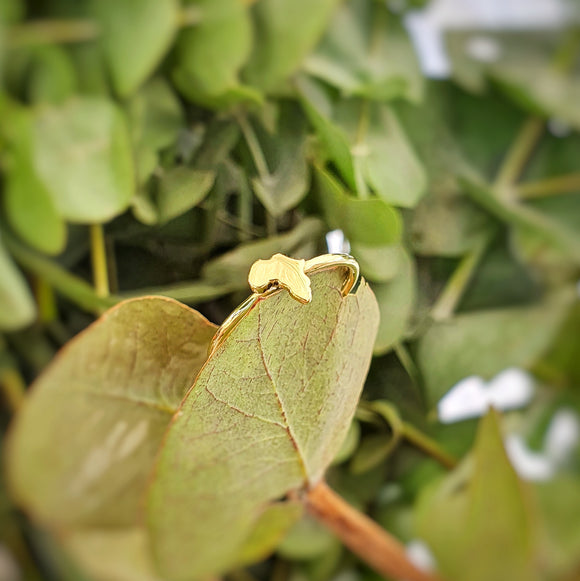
[268,277]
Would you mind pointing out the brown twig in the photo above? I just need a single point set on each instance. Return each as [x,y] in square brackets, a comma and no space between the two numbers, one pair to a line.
[375,546]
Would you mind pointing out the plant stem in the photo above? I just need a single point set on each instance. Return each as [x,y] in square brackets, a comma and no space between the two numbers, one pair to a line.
[454,289]
[37,32]
[99,260]
[518,154]
[260,163]
[72,30]
[407,362]
[549,187]
[254,146]
[13,388]
[374,545]
[428,445]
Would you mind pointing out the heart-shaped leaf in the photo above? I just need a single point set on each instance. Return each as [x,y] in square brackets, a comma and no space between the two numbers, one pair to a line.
[82,448]
[267,415]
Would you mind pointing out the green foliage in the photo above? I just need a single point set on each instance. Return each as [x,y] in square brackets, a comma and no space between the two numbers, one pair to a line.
[161,147]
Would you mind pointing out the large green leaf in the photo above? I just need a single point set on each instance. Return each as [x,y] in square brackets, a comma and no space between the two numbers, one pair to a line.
[267,415]
[83,446]
[370,222]
[366,52]
[88,138]
[283,37]
[136,35]
[485,342]
[478,521]
[17,307]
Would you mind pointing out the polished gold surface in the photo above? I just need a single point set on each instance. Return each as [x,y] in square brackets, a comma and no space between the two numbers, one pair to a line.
[268,277]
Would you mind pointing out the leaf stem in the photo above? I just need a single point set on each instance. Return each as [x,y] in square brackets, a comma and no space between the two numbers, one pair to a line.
[428,445]
[374,545]
[99,260]
[260,163]
[549,187]
[72,30]
[37,32]
[519,152]
[454,289]
[254,146]
[406,361]
[13,388]
[77,290]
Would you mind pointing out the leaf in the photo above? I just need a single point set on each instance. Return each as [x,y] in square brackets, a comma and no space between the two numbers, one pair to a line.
[283,37]
[560,365]
[525,69]
[17,308]
[367,144]
[396,299]
[287,181]
[382,152]
[483,343]
[541,225]
[210,54]
[366,52]
[51,76]
[319,109]
[560,511]
[180,189]
[479,523]
[112,554]
[136,36]
[377,263]
[116,387]
[370,222]
[445,222]
[87,136]
[29,205]
[267,414]
[155,115]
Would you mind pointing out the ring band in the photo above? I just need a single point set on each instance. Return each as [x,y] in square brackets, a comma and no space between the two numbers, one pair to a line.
[269,277]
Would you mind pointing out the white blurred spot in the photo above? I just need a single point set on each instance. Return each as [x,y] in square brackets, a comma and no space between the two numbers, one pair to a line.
[337,243]
[427,39]
[9,570]
[420,555]
[428,26]
[529,465]
[484,48]
[472,396]
[133,439]
[563,436]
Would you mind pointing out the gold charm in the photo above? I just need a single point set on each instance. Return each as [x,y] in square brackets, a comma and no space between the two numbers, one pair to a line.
[268,277]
